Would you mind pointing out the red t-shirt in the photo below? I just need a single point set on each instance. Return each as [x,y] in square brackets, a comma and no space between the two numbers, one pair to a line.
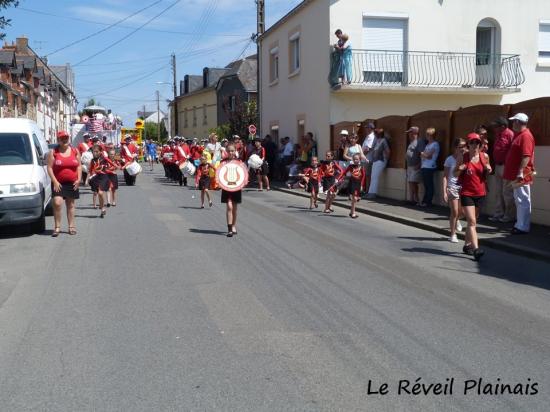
[472,179]
[522,145]
[83,147]
[503,140]
[65,169]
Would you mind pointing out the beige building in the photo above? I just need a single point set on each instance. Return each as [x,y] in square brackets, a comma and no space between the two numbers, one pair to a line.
[197,104]
[406,59]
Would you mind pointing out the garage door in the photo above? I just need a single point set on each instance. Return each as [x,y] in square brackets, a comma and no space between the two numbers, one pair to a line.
[385,41]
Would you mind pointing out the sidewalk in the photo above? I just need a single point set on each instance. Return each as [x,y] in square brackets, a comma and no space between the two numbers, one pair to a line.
[435,219]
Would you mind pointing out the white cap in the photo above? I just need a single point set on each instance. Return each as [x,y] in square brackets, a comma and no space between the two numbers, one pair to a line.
[521,117]
[344,132]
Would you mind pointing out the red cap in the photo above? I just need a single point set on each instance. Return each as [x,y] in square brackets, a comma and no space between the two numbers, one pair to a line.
[473,136]
[62,133]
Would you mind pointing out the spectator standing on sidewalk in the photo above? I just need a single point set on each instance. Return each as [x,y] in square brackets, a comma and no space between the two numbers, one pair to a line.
[270,154]
[504,192]
[519,170]
[287,157]
[472,169]
[367,146]
[414,175]
[380,156]
[428,166]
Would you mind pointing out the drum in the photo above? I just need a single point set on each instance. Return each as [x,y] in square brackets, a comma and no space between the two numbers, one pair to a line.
[133,169]
[85,159]
[188,169]
[232,176]
[255,162]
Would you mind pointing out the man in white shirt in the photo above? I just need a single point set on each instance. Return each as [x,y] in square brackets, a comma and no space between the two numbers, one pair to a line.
[367,146]
[287,157]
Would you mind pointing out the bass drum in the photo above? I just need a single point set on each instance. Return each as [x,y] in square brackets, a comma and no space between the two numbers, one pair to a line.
[255,162]
[86,159]
[188,169]
[133,169]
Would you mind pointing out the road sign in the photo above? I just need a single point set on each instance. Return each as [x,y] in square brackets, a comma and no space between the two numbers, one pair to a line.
[252,129]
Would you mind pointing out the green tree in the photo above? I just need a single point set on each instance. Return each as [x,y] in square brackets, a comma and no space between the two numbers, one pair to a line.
[150,131]
[223,131]
[4,4]
[244,115]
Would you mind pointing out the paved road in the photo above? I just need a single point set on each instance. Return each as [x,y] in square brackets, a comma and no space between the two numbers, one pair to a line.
[154,309]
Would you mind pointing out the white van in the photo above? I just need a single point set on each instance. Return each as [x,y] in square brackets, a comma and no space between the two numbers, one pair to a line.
[25,187]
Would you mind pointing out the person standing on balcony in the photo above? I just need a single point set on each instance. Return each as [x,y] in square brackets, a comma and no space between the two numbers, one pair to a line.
[504,192]
[340,65]
[428,166]
[519,170]
[412,159]
[380,156]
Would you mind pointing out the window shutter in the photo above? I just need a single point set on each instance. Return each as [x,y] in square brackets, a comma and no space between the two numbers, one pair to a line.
[544,37]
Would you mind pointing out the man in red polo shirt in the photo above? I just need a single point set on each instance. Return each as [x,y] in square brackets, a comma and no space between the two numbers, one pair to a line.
[519,169]
[504,192]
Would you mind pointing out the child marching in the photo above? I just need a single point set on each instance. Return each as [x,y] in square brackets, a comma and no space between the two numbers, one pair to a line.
[329,169]
[98,179]
[356,181]
[202,179]
[232,199]
[313,176]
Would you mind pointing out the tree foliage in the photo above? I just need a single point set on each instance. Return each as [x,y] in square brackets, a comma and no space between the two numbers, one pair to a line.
[4,22]
[151,131]
[244,114]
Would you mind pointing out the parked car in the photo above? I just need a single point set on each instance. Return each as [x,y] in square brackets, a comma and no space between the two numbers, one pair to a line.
[25,187]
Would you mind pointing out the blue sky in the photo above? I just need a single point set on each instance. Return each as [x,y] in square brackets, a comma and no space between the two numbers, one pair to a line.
[200,32]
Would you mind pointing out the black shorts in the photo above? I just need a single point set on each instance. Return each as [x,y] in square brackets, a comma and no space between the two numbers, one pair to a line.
[67,191]
[328,182]
[263,170]
[113,181]
[235,197]
[312,185]
[355,187]
[204,182]
[476,201]
[100,182]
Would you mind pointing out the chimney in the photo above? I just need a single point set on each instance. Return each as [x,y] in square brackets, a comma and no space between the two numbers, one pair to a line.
[186,84]
[22,45]
[182,87]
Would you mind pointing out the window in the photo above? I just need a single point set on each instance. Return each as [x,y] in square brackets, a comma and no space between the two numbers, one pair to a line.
[385,39]
[194,116]
[294,51]
[204,115]
[273,64]
[232,103]
[15,149]
[544,40]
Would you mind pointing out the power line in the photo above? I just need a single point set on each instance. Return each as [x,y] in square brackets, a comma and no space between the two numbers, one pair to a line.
[184,33]
[129,34]
[105,29]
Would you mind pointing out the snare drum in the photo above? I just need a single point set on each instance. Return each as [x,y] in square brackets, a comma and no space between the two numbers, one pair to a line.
[133,169]
[188,169]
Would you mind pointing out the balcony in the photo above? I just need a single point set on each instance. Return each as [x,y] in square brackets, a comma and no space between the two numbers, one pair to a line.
[427,72]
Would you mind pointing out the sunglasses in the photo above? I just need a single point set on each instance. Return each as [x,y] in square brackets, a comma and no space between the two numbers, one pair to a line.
[476,142]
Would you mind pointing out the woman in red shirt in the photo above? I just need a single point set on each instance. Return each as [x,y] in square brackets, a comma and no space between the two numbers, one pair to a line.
[65,172]
[263,171]
[472,169]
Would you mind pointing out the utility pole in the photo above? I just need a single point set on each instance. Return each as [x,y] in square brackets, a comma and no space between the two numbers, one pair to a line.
[144,128]
[260,29]
[175,102]
[158,116]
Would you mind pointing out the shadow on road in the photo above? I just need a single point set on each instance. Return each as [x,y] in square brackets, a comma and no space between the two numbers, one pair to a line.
[208,232]
[191,207]
[426,238]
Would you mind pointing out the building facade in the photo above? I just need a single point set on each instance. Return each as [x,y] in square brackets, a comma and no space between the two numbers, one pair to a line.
[30,88]
[197,104]
[406,59]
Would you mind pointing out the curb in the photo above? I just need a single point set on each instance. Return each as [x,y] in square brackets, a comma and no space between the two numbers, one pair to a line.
[493,243]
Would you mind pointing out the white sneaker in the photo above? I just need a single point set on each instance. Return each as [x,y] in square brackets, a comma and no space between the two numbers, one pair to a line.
[453,239]
[458,226]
